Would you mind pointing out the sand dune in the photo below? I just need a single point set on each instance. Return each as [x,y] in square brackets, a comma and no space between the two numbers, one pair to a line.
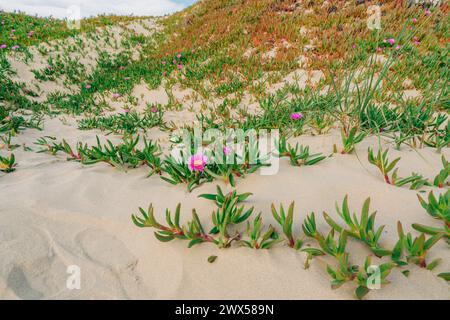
[55,213]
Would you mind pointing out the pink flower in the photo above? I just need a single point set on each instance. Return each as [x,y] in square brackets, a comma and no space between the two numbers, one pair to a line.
[226,150]
[3,46]
[427,12]
[379,49]
[116,95]
[180,67]
[414,20]
[397,47]
[88,86]
[391,41]
[154,110]
[126,110]
[354,46]
[296,116]
[179,56]
[417,42]
[197,162]
[15,47]
[174,61]
[164,63]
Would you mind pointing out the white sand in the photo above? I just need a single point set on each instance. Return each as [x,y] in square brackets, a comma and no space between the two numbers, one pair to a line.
[56,213]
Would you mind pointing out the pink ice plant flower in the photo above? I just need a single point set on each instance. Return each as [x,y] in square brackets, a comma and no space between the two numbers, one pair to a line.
[180,67]
[427,12]
[154,110]
[3,46]
[15,47]
[179,56]
[296,116]
[391,41]
[226,150]
[116,95]
[397,47]
[197,162]
[88,86]
[414,20]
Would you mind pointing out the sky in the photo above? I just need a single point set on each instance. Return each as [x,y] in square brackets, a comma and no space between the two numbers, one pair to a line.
[86,8]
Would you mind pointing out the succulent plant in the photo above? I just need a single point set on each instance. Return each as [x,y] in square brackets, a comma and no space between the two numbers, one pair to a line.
[6,142]
[367,273]
[258,237]
[298,155]
[219,198]
[415,249]
[441,179]
[8,164]
[382,162]
[227,214]
[286,221]
[192,231]
[438,209]
[363,230]
[350,138]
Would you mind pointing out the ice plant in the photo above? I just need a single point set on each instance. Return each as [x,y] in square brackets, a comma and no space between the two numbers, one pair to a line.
[192,231]
[197,162]
[438,209]
[286,221]
[381,161]
[391,41]
[229,213]
[8,164]
[442,178]
[362,229]
[226,151]
[349,139]
[416,249]
[296,116]
[368,272]
[219,198]
[258,237]
[298,155]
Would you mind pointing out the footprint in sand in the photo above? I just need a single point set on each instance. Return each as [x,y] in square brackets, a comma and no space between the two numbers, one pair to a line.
[109,252]
[26,262]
